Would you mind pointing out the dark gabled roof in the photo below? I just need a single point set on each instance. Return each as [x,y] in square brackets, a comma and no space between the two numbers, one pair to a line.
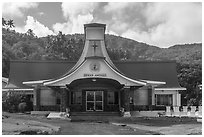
[21,71]
[5,80]
[164,71]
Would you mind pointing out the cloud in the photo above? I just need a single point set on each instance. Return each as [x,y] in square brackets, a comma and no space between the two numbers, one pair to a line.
[76,15]
[16,9]
[41,13]
[74,26]
[116,6]
[123,16]
[72,9]
[39,29]
[63,27]
[172,23]
[160,24]
[111,33]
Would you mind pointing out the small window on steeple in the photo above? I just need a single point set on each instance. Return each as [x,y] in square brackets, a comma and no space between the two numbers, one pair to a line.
[95,33]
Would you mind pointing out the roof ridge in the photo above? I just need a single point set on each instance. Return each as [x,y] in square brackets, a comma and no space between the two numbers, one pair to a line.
[43,61]
[58,61]
[147,61]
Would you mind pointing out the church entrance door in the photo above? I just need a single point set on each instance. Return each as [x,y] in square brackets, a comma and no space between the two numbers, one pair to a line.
[94,100]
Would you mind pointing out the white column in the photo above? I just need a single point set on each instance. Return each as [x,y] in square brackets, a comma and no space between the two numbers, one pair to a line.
[168,111]
[199,111]
[199,108]
[178,100]
[185,111]
[153,95]
[176,111]
[174,100]
[192,112]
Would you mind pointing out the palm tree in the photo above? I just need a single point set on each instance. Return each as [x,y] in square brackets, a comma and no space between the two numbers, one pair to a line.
[4,23]
[10,23]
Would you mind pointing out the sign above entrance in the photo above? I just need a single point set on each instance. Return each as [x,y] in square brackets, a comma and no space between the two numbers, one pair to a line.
[95,75]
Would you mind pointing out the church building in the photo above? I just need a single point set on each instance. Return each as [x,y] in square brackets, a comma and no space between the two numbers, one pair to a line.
[95,83]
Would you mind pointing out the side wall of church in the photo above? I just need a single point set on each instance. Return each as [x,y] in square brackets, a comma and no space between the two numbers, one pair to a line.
[141,96]
[142,100]
[47,97]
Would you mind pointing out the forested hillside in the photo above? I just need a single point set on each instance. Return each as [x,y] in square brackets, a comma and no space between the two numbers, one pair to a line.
[26,46]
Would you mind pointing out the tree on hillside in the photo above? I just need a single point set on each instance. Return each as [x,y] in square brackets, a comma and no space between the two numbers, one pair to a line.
[60,48]
[7,24]
[10,23]
[27,50]
[4,22]
[30,33]
[119,54]
[7,54]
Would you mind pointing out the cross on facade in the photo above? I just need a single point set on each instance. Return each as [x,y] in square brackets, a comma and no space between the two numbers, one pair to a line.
[94,47]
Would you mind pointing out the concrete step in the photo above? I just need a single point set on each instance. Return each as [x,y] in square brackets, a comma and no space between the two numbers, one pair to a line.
[42,113]
[98,119]
[95,113]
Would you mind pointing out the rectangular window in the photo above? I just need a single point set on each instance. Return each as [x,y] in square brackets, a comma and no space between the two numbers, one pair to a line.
[164,99]
[95,33]
[58,101]
[76,97]
[112,98]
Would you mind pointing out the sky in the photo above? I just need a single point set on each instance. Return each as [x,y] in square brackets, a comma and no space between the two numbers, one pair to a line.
[159,24]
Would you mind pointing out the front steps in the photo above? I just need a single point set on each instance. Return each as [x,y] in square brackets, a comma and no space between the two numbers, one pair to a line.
[94,113]
[93,116]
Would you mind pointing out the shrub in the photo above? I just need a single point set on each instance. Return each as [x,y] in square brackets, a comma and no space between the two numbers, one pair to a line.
[11,101]
[22,107]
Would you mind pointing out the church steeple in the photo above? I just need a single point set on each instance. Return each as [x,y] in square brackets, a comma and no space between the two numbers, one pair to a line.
[94,44]
[94,61]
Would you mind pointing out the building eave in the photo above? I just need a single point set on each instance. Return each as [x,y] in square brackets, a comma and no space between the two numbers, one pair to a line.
[154,82]
[21,89]
[178,88]
[35,82]
[5,79]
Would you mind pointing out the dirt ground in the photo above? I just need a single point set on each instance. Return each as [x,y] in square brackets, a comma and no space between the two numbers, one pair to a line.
[13,123]
[66,127]
[164,125]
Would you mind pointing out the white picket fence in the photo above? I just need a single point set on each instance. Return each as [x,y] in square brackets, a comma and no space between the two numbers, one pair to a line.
[193,112]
